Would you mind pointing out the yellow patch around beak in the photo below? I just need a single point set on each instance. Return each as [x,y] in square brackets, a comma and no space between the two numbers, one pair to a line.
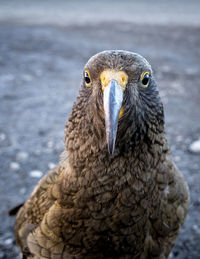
[120,76]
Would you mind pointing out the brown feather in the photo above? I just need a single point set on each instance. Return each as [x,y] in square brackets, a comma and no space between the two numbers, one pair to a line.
[131,204]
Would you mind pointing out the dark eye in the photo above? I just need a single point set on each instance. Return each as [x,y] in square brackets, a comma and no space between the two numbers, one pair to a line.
[87,78]
[145,78]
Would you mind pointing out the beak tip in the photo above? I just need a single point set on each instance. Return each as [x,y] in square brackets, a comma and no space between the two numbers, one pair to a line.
[111,148]
[110,152]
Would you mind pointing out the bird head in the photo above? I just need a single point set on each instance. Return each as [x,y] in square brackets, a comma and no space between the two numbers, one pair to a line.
[121,91]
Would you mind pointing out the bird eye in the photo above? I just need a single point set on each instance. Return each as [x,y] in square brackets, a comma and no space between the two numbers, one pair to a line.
[87,78]
[145,78]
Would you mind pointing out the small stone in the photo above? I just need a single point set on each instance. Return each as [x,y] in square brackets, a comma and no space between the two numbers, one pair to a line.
[59,146]
[165,68]
[26,77]
[36,174]
[8,77]
[8,241]
[50,144]
[176,84]
[22,190]
[191,71]
[49,148]
[14,166]
[196,228]
[2,136]
[179,138]
[195,146]
[21,156]
[177,158]
[37,152]
[51,165]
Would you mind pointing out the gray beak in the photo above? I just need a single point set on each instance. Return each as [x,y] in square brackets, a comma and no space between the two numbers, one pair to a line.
[113,98]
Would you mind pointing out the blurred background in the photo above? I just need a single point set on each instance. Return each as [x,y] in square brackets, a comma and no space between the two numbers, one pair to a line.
[43,48]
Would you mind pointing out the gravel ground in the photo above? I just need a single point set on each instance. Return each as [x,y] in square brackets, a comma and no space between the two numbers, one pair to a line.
[42,53]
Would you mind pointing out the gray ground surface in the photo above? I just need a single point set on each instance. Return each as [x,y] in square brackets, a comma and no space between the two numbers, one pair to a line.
[43,48]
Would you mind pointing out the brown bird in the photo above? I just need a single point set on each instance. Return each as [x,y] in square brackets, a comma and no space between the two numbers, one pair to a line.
[116,192]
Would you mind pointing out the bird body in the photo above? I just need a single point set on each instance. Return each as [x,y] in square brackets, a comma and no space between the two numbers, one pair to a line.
[114,194]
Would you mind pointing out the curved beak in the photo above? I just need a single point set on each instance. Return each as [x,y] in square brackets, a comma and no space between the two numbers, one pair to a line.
[112,98]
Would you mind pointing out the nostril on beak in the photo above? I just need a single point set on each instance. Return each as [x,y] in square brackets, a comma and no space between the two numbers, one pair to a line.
[123,79]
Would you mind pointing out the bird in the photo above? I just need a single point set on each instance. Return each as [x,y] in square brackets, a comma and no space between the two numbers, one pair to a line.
[116,192]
